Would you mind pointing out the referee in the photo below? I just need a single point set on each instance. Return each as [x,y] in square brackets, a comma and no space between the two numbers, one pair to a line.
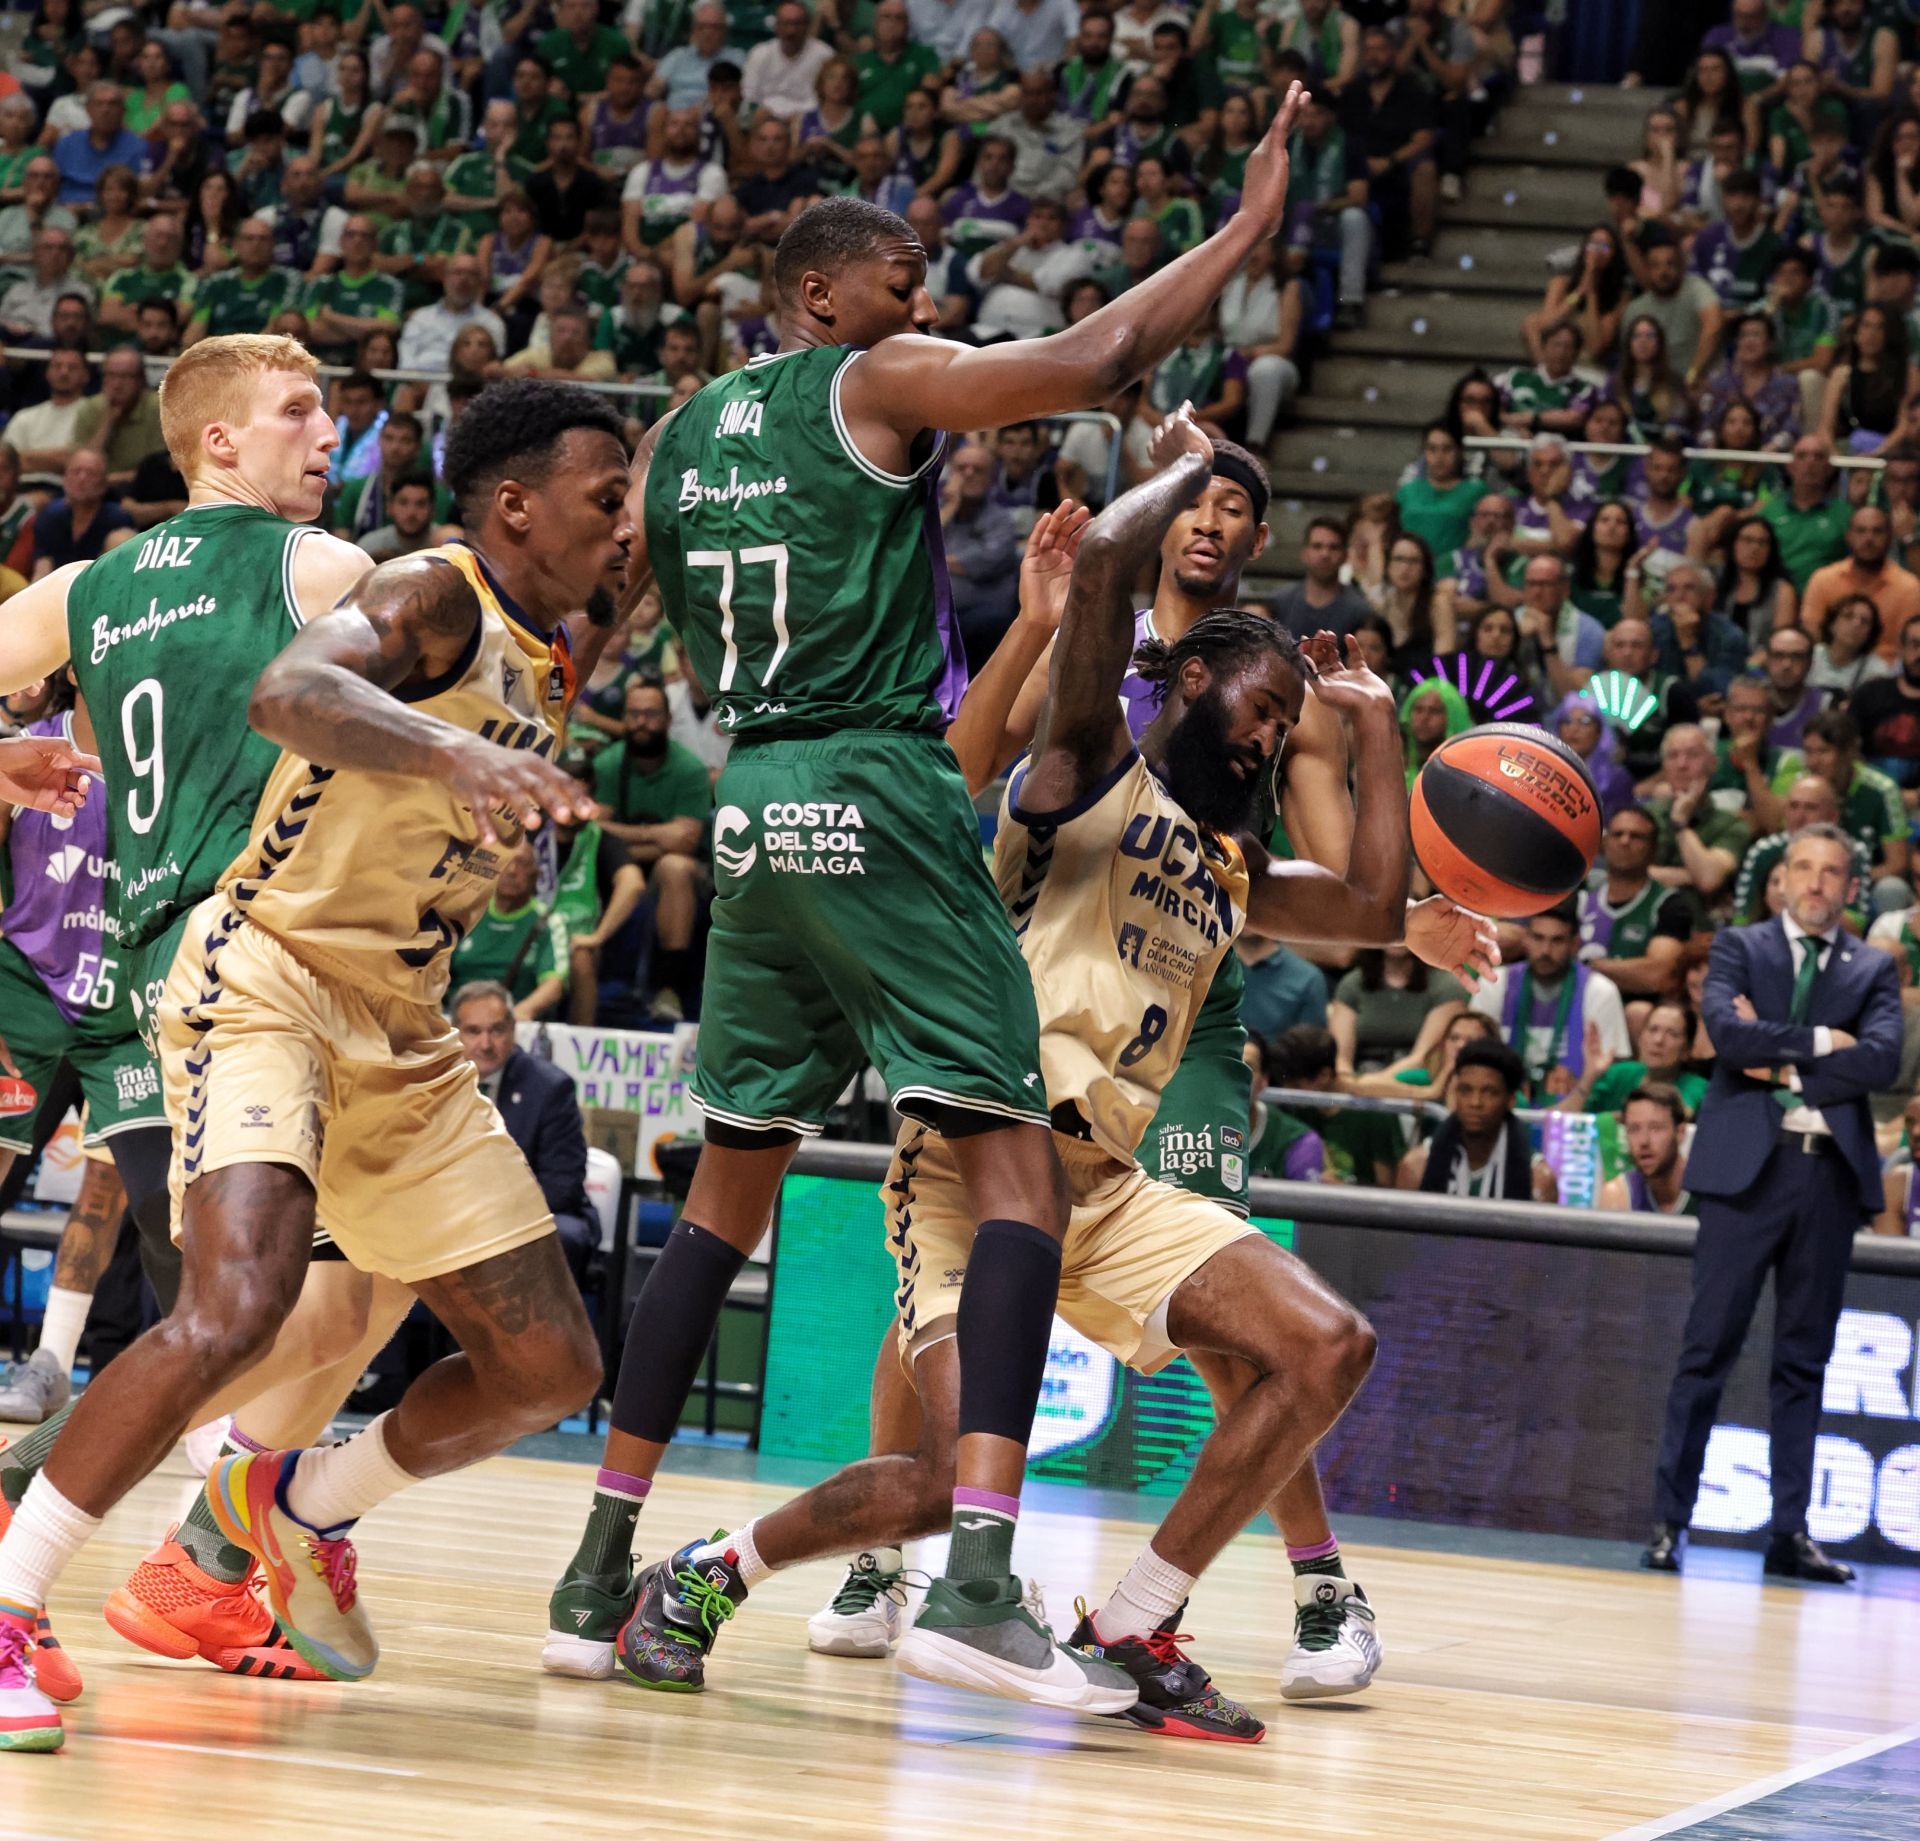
[1806,1025]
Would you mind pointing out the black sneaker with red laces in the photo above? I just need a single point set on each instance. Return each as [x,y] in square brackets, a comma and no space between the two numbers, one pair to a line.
[1177,1697]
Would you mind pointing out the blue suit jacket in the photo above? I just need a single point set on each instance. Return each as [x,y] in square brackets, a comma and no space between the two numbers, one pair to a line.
[1858,991]
[542,1112]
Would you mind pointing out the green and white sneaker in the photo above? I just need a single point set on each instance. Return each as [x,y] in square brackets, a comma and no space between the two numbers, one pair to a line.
[863,1617]
[1336,1648]
[583,1619]
[981,1634]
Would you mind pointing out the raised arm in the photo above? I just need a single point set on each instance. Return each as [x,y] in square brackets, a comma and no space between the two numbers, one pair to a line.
[1367,906]
[1081,732]
[904,385]
[1001,708]
[329,697]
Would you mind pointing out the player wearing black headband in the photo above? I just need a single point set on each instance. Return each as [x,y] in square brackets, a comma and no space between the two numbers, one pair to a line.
[1198,1140]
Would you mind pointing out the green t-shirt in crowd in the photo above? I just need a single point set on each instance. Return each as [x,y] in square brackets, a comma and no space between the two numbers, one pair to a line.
[583,72]
[884,87]
[1808,539]
[679,788]
[230,303]
[517,948]
[1441,516]
[1872,810]
[1611,1089]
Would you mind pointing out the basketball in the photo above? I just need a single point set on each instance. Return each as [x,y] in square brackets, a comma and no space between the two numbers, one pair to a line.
[1505,820]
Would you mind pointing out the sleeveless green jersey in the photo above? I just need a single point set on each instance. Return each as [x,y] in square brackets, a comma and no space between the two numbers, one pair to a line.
[809,586]
[169,634]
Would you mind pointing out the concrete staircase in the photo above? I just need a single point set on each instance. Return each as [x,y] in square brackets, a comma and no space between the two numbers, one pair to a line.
[1532,188]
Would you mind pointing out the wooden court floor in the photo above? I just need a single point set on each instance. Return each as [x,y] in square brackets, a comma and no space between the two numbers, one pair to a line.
[1519,1700]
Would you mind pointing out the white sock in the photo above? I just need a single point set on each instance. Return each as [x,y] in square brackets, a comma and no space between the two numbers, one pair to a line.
[746,1556]
[1151,1592]
[60,1328]
[334,1485]
[46,1532]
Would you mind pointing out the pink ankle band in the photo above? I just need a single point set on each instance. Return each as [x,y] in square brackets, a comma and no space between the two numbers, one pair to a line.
[1319,1551]
[619,1483]
[242,1442]
[986,1499]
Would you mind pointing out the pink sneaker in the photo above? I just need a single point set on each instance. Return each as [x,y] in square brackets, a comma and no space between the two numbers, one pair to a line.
[29,1721]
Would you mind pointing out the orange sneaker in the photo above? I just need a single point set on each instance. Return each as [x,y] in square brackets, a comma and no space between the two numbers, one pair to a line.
[172,1607]
[55,1670]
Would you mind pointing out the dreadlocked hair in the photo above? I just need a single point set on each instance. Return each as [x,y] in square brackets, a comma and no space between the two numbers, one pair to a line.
[1225,642]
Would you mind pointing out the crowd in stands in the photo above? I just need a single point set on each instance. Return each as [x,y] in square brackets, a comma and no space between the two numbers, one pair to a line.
[1732,643]
[580,191]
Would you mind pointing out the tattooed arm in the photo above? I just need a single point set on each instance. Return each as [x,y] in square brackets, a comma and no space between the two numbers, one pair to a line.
[328,697]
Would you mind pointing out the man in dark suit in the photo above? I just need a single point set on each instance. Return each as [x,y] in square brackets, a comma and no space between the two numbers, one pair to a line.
[1806,1024]
[540,1108]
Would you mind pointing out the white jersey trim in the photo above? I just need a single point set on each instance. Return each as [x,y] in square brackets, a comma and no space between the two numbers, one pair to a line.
[866,466]
[294,539]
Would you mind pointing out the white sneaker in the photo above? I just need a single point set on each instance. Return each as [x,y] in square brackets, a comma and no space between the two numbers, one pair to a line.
[1450,187]
[1335,1648]
[34,1390]
[202,1443]
[863,1617]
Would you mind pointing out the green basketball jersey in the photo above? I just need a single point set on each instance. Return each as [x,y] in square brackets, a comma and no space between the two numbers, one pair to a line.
[808,585]
[169,635]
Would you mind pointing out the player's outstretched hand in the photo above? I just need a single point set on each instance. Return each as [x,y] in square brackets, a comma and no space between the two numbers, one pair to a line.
[1178,436]
[1350,684]
[1444,934]
[489,779]
[1046,571]
[1264,189]
[45,773]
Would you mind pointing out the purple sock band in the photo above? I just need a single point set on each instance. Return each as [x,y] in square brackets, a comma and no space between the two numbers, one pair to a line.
[1319,1551]
[964,1498]
[238,1438]
[618,1483]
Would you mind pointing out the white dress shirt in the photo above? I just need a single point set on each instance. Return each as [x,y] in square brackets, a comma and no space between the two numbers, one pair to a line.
[1808,1118]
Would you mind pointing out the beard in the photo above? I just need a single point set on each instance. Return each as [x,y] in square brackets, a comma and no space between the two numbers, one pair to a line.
[1910,674]
[600,608]
[1200,771]
[648,747]
[1200,586]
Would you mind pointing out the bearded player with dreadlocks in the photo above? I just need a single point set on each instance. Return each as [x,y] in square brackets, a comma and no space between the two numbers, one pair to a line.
[1117,866]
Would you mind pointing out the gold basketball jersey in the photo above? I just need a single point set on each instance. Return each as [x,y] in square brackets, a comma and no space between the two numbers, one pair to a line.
[375,877]
[1124,908]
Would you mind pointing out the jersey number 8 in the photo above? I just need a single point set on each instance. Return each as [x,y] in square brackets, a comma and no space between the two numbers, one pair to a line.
[1153,1025]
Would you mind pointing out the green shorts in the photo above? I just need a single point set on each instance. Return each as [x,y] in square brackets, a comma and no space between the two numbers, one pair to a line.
[1198,1138]
[854,922]
[119,1079]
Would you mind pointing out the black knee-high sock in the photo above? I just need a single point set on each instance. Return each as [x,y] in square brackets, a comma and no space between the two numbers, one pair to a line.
[141,1159]
[1004,1323]
[673,1321]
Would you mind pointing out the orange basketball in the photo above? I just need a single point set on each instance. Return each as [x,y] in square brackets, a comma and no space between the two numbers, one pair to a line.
[1505,820]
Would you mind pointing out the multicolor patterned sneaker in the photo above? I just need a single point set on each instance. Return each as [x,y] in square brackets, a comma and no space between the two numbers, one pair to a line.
[1335,1646]
[56,1671]
[863,1617]
[1177,1696]
[981,1634]
[309,1577]
[583,1623]
[677,1619]
[170,1606]
[29,1721]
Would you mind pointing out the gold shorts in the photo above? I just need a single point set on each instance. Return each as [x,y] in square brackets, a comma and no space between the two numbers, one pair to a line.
[264,1060]
[1131,1243]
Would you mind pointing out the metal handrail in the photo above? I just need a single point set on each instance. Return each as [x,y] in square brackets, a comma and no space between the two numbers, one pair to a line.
[40,354]
[1634,450]
[1409,1211]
